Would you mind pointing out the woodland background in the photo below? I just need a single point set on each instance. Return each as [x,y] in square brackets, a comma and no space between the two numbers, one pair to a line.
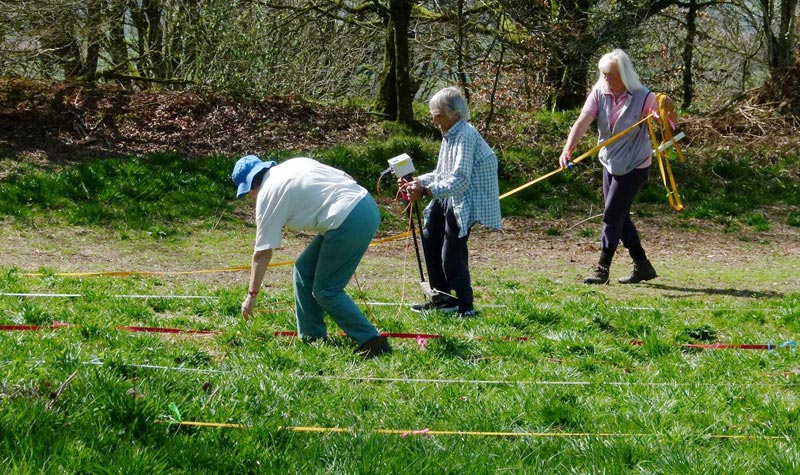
[119,124]
[388,54]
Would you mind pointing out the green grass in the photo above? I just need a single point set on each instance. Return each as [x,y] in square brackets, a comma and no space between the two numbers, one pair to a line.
[662,406]
[158,194]
[166,196]
[737,186]
[91,398]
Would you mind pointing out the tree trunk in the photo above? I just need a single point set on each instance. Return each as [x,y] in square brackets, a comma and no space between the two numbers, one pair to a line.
[401,16]
[784,51]
[155,37]
[182,42]
[780,45]
[140,23]
[65,51]
[568,69]
[570,77]
[94,13]
[573,91]
[490,115]
[688,54]
[386,100]
[118,48]
[462,75]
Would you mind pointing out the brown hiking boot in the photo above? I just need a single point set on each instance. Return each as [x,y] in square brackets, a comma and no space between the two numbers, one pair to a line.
[375,346]
[599,275]
[642,270]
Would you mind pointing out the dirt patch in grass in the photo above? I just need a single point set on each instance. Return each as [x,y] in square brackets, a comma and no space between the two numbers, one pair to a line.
[50,121]
[692,257]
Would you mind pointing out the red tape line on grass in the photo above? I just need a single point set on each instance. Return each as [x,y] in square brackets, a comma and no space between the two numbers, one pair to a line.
[730,346]
[413,336]
[54,326]
[421,338]
[416,336]
[23,327]
[130,296]
[166,330]
[57,325]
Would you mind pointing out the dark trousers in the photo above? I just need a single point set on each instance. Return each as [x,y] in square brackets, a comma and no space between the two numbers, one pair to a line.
[619,192]
[446,255]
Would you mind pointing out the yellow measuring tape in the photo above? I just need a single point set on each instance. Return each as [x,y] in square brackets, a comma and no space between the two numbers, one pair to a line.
[189,272]
[591,152]
[428,432]
[665,109]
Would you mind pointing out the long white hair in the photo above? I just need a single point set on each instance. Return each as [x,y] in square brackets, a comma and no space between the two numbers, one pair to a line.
[625,67]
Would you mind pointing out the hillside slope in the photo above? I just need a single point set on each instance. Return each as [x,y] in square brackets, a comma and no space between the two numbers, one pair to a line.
[70,121]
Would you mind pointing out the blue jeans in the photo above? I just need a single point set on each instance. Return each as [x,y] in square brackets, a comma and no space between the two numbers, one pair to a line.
[323,270]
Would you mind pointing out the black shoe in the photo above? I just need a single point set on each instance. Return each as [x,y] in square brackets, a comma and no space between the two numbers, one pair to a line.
[441,303]
[642,270]
[375,346]
[468,313]
[599,275]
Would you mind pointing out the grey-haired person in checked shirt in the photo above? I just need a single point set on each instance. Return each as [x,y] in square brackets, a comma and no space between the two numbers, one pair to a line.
[464,191]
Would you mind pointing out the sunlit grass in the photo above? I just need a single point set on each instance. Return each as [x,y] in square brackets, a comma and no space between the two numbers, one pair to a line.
[577,373]
[593,379]
[165,196]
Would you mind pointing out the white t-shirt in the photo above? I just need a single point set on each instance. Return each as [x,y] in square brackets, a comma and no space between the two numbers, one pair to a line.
[303,194]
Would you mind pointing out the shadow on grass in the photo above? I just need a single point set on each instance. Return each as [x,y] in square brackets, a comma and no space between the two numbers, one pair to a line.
[749,294]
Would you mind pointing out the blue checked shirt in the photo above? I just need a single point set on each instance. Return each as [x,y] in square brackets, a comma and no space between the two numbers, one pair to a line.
[466,173]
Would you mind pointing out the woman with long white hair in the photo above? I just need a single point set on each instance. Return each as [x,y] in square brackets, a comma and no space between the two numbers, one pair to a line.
[618,100]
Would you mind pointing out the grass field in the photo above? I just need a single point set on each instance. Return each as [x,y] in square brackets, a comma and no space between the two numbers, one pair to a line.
[552,377]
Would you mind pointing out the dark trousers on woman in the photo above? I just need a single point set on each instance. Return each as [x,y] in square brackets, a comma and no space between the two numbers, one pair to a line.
[446,254]
[619,192]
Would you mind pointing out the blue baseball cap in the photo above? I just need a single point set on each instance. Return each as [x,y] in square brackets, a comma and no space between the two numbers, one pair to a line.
[245,169]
